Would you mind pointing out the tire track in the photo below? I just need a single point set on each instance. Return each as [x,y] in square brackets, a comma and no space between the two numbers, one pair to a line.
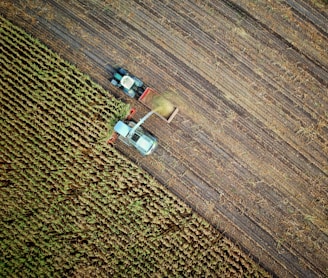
[311,65]
[307,12]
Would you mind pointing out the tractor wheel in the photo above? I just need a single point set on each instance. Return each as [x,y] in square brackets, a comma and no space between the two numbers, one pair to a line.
[138,82]
[114,82]
[139,92]
[122,71]
[117,76]
[130,93]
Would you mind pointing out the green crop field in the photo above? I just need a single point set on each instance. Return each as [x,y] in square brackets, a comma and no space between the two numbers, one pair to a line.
[73,206]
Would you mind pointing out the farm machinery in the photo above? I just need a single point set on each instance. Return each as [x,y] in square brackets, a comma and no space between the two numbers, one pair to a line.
[128,131]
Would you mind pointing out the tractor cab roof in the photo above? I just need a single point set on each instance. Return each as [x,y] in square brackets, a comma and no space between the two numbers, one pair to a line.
[127,82]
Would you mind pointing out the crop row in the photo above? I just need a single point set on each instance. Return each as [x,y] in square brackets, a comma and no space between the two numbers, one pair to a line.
[60,104]
[71,202]
[32,74]
[101,211]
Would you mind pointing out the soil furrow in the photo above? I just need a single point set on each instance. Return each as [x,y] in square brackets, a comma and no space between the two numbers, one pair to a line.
[319,20]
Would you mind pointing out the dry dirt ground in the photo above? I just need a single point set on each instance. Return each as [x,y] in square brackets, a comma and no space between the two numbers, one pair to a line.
[248,149]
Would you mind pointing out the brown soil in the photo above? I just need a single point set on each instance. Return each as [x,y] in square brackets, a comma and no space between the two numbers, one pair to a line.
[248,148]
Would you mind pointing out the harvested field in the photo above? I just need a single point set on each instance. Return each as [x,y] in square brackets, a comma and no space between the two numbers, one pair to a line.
[73,206]
[248,149]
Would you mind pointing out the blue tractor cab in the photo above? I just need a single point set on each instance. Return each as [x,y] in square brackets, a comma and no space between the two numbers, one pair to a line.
[121,78]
